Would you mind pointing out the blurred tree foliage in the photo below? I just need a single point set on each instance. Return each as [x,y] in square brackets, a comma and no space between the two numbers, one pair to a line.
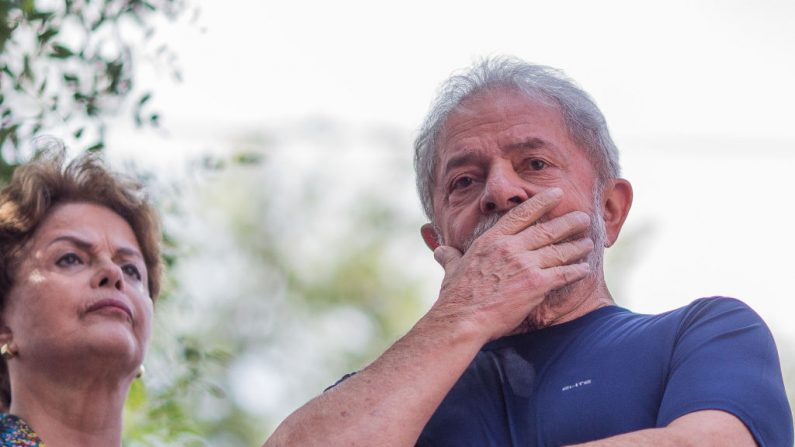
[287,279]
[70,65]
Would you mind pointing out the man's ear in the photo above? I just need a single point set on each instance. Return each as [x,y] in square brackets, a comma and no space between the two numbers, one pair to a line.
[616,202]
[429,236]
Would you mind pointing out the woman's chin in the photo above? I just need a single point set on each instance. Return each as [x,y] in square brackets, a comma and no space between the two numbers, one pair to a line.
[113,341]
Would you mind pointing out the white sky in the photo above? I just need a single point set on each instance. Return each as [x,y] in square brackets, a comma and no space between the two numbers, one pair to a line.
[699,96]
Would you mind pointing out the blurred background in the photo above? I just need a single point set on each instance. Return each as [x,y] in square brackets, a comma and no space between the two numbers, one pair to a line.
[276,139]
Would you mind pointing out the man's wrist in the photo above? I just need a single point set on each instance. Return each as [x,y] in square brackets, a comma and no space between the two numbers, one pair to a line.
[452,330]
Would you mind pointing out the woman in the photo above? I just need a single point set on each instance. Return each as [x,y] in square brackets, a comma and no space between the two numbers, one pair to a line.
[79,271]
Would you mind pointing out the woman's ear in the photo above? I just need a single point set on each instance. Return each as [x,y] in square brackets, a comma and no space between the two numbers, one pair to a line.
[430,236]
[616,202]
[5,332]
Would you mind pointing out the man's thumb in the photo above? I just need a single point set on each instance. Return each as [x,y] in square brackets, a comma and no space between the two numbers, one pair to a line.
[445,254]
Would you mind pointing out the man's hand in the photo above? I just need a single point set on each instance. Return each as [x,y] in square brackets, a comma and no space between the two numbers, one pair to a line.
[508,270]
[485,294]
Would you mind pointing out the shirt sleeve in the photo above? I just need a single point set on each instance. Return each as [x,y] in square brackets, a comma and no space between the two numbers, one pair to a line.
[724,358]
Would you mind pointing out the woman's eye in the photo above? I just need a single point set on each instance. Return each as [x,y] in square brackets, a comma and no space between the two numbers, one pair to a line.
[461,182]
[131,270]
[537,165]
[68,259]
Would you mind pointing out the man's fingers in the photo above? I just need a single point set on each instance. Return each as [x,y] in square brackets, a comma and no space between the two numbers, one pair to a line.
[565,274]
[565,253]
[527,212]
[555,230]
[445,254]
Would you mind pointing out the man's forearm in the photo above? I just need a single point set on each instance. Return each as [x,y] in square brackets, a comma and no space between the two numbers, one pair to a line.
[389,402]
[656,437]
[706,428]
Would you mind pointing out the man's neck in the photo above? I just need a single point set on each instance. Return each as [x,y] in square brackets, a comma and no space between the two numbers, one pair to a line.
[568,304]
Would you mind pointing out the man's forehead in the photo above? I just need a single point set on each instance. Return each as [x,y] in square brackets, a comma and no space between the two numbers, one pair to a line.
[501,97]
[517,118]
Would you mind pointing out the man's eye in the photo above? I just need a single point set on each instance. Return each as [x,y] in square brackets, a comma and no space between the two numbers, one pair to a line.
[131,270]
[461,182]
[68,259]
[537,165]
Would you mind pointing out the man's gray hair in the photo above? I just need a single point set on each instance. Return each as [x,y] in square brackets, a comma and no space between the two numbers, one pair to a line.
[584,121]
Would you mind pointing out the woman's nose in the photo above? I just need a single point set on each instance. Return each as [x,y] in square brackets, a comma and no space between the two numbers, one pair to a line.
[108,274]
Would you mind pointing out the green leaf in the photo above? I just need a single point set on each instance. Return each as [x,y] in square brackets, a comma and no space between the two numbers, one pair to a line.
[95,26]
[48,34]
[247,158]
[96,147]
[13,135]
[191,354]
[61,52]
[40,16]
[79,133]
[144,99]
[113,71]
[28,7]
[27,72]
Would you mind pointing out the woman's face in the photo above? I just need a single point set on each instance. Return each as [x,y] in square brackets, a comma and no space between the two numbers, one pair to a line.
[80,292]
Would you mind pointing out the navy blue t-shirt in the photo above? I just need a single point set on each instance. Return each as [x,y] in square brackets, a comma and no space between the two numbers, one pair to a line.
[613,371]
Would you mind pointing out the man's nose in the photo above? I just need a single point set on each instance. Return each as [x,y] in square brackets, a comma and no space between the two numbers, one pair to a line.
[504,190]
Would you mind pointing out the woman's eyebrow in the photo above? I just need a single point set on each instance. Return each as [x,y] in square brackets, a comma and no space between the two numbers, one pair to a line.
[87,246]
[74,240]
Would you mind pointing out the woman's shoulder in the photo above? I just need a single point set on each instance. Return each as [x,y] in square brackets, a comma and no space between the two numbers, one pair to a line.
[14,432]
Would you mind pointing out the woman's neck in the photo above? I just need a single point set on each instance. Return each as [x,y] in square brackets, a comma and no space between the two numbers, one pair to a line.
[85,411]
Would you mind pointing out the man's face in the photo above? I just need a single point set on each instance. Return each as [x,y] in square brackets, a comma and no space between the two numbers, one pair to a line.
[497,150]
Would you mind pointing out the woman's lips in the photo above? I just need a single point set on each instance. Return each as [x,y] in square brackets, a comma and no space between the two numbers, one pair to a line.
[108,304]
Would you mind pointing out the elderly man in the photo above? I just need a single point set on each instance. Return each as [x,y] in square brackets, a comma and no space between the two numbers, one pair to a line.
[524,345]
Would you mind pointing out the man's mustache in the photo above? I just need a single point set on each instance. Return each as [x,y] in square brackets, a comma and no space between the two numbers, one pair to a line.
[482,226]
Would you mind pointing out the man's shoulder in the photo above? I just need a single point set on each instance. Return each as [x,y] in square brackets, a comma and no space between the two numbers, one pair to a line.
[718,302]
[715,309]
[705,307]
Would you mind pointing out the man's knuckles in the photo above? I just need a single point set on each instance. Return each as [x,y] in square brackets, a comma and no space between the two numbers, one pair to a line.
[529,211]
[559,254]
[558,228]
[445,255]
[566,274]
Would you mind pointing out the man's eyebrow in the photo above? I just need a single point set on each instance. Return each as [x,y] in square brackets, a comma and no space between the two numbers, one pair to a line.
[461,160]
[471,157]
[530,143]
[87,246]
